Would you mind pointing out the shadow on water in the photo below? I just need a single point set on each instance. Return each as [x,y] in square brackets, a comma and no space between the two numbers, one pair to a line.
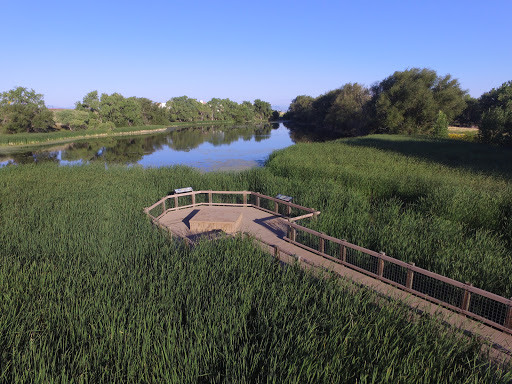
[307,133]
[474,157]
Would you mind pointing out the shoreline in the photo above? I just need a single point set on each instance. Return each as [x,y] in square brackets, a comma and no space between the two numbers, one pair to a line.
[13,145]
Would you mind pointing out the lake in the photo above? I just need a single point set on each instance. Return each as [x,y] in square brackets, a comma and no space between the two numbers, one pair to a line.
[208,148]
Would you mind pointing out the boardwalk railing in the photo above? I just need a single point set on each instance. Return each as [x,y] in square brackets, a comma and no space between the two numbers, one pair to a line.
[290,211]
[473,302]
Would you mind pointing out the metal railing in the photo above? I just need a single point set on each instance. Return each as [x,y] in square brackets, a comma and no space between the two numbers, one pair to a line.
[290,211]
[473,302]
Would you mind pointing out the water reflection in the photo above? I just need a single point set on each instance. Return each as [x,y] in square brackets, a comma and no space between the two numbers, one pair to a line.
[204,147]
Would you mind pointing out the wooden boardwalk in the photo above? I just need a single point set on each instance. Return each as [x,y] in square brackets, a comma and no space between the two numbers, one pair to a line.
[271,230]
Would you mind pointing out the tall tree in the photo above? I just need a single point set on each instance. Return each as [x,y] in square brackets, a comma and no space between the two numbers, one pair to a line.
[409,101]
[301,109]
[119,110]
[262,109]
[24,110]
[152,113]
[349,113]
[496,106]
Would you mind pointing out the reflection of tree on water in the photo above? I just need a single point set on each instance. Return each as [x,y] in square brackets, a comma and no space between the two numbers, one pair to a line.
[128,150]
[34,157]
[186,139]
[308,133]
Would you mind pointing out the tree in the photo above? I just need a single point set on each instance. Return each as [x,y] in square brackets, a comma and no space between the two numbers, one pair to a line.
[301,109]
[184,108]
[440,128]
[496,124]
[349,112]
[497,98]
[120,110]
[152,113]
[90,102]
[409,101]
[247,111]
[77,119]
[262,110]
[470,115]
[23,110]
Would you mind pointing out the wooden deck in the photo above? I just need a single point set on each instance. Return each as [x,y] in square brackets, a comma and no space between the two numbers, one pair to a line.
[271,230]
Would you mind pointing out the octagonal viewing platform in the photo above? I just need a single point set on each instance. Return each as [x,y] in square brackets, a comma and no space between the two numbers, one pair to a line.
[204,213]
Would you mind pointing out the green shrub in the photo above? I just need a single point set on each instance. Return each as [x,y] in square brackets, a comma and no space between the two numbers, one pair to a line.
[440,128]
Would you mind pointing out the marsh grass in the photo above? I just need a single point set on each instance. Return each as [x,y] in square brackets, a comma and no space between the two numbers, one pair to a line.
[427,205]
[92,292]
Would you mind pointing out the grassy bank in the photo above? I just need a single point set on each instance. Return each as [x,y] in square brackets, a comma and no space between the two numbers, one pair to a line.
[33,139]
[91,291]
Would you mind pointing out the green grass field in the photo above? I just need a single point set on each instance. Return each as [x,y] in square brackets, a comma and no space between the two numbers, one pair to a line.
[92,292]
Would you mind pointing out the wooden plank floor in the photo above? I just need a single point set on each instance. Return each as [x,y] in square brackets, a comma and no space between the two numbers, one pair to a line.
[271,229]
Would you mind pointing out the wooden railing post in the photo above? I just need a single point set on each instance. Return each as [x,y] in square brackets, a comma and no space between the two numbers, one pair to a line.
[466,299]
[209,198]
[175,201]
[321,244]
[276,207]
[163,206]
[293,234]
[276,252]
[380,265]
[343,252]
[245,199]
[508,317]
[288,210]
[193,198]
[410,277]
[258,201]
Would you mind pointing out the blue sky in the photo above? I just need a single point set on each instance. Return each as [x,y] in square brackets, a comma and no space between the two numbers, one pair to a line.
[272,50]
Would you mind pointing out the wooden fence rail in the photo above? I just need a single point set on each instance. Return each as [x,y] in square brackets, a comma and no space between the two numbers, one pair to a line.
[464,298]
[285,209]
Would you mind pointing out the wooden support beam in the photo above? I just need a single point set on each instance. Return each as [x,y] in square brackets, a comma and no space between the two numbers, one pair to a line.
[343,252]
[380,265]
[410,277]
[466,299]
[508,317]
[276,252]
[321,244]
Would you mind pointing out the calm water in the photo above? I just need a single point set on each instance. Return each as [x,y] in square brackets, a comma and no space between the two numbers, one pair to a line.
[206,148]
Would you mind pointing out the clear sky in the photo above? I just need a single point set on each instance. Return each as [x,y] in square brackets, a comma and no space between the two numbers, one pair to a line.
[244,50]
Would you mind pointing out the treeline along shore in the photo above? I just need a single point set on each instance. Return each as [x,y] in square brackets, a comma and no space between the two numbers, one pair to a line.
[23,110]
[414,101]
